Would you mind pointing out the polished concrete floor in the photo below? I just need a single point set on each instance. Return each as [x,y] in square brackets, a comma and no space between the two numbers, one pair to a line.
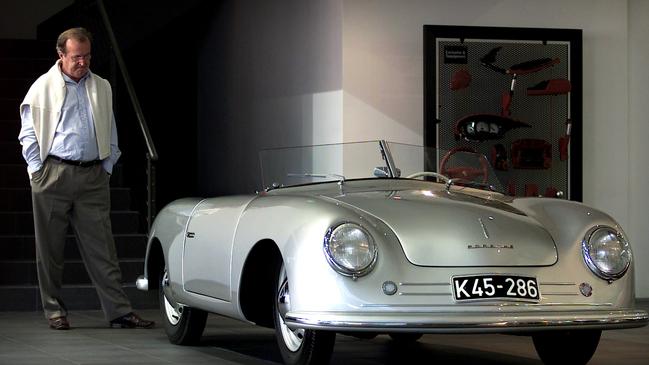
[26,339]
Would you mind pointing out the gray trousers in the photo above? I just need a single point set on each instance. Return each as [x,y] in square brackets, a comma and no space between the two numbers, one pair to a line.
[64,195]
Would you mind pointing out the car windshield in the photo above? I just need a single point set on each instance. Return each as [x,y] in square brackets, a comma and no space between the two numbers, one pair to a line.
[285,167]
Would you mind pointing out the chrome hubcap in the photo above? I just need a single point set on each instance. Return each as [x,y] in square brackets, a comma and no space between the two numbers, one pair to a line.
[173,316]
[292,338]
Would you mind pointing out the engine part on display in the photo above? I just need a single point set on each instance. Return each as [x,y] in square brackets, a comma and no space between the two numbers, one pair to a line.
[564,142]
[499,157]
[550,87]
[551,192]
[531,190]
[483,127]
[534,154]
[511,188]
[522,68]
[461,79]
[463,171]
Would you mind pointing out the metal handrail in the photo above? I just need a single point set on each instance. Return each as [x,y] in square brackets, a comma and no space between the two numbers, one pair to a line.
[152,154]
[129,84]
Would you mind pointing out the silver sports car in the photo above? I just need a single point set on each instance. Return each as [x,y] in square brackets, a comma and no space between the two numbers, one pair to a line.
[384,238]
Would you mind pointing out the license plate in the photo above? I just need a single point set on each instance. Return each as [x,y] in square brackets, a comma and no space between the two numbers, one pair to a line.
[485,287]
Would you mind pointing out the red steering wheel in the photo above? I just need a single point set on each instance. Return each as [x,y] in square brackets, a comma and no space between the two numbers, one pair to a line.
[465,172]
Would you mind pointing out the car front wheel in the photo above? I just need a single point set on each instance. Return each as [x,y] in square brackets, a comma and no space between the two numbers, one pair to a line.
[183,325]
[298,346]
[566,347]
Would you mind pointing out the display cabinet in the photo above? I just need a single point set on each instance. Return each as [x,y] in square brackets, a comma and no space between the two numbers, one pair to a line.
[512,94]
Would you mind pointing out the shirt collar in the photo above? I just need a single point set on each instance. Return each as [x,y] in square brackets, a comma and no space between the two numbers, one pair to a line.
[67,78]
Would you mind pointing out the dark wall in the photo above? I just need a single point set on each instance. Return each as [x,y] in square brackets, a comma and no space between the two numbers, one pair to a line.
[19,18]
[270,76]
[159,42]
[218,81]
[164,71]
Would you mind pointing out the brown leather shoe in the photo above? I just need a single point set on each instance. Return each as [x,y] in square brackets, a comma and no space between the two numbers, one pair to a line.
[131,320]
[59,323]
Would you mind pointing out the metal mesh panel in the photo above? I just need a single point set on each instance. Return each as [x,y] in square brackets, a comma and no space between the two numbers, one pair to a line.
[546,114]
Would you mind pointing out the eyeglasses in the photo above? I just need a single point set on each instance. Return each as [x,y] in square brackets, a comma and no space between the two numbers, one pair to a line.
[77,58]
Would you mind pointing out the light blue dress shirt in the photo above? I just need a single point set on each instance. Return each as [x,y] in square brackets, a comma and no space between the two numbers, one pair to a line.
[74,138]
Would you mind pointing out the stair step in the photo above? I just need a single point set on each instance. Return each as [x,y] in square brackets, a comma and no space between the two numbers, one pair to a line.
[76,297]
[20,199]
[14,88]
[74,272]
[15,175]
[18,223]
[21,63]
[22,247]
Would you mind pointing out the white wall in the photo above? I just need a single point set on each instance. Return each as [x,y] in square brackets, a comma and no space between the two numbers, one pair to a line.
[638,149]
[383,86]
[293,73]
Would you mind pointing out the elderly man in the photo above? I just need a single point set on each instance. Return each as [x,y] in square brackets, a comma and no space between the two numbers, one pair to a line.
[69,142]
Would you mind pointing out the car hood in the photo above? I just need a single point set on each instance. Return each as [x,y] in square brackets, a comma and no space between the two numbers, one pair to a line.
[441,228]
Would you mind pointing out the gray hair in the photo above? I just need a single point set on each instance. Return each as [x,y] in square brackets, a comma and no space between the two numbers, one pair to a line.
[79,34]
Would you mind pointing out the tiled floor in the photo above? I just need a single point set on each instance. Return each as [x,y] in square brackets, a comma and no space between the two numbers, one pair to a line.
[25,339]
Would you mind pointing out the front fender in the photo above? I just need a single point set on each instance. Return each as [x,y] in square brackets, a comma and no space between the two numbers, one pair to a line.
[165,241]
[568,222]
[297,225]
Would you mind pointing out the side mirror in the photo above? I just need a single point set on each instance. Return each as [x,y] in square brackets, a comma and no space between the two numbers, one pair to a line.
[382,171]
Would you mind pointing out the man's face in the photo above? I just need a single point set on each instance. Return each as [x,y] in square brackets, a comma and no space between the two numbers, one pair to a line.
[76,59]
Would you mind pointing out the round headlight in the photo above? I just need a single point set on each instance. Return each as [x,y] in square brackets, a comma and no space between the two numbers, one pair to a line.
[350,249]
[606,252]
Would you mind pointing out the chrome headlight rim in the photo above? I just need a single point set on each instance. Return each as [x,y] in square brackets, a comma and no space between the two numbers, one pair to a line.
[341,269]
[586,248]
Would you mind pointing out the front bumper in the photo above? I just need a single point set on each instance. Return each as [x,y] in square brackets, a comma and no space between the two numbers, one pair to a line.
[468,322]
[142,283]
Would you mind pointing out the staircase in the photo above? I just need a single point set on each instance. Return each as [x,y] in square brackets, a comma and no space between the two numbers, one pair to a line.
[21,62]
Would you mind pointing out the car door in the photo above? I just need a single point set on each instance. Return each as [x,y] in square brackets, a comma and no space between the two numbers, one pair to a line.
[208,246]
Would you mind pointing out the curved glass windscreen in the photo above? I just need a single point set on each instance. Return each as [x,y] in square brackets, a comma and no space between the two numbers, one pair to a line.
[284,167]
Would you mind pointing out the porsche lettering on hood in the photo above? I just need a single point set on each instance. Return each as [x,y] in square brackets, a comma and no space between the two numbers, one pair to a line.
[491,246]
[445,229]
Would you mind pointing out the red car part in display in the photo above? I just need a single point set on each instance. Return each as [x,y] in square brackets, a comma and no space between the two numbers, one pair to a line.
[522,68]
[564,142]
[483,127]
[461,79]
[486,126]
[464,171]
[533,154]
[499,157]
[550,87]
[531,190]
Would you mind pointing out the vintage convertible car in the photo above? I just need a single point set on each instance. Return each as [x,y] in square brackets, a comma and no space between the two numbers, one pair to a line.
[384,238]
